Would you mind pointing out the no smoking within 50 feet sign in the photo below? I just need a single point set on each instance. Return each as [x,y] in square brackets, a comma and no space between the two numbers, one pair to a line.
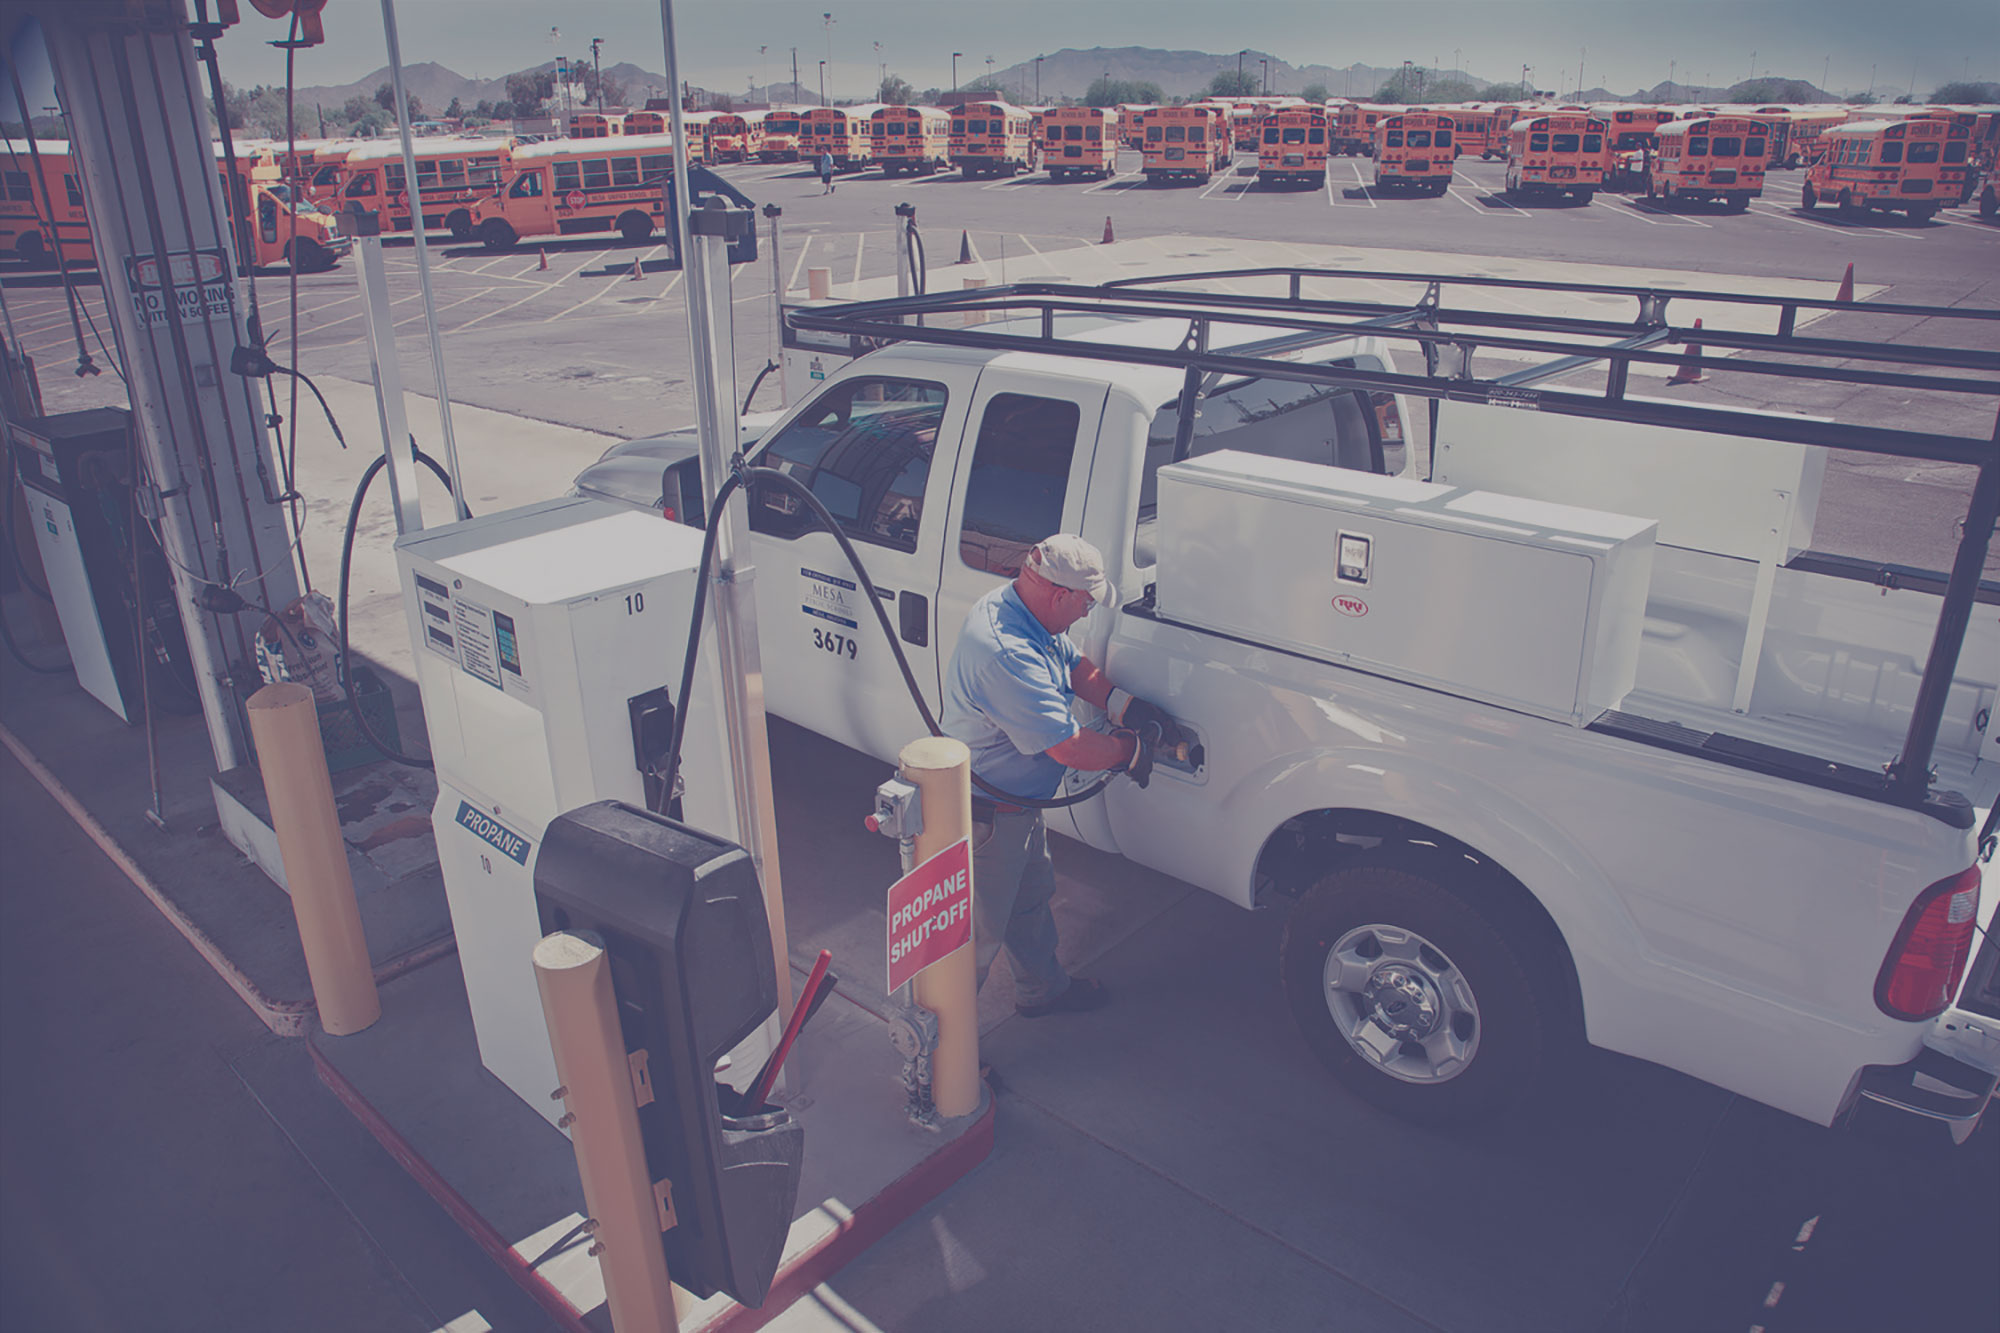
[930,912]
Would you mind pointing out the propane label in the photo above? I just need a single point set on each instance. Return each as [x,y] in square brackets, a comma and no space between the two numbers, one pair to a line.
[484,826]
[930,912]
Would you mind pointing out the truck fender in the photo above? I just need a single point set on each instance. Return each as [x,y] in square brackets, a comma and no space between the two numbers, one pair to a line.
[1603,940]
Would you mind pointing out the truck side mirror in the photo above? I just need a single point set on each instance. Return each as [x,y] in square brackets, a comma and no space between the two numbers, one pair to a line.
[682,917]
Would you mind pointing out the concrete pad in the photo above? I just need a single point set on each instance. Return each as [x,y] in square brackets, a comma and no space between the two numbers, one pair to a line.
[1197,1072]
[509,1177]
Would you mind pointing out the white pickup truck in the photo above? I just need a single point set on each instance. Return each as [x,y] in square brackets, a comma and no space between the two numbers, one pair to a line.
[1554,728]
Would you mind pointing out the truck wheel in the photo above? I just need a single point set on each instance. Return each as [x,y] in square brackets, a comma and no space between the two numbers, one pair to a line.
[495,234]
[1739,203]
[1989,202]
[634,226]
[1416,999]
[306,255]
[1923,212]
[30,250]
[459,224]
[1849,206]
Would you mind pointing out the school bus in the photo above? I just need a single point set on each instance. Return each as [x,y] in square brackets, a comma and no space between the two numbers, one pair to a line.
[27,229]
[1956,177]
[1807,126]
[1631,136]
[842,131]
[1291,147]
[1190,142]
[730,137]
[1896,166]
[595,125]
[1354,128]
[1414,151]
[1560,153]
[452,174]
[1132,124]
[992,139]
[778,135]
[569,187]
[1710,158]
[1080,141]
[648,122]
[271,224]
[912,140]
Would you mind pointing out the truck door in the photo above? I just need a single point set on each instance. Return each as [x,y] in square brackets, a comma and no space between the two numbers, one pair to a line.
[864,446]
[1023,479]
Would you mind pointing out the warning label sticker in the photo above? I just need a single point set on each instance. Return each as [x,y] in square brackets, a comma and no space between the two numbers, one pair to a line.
[472,624]
[200,280]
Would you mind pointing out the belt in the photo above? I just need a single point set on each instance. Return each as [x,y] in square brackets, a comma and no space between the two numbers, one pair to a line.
[984,810]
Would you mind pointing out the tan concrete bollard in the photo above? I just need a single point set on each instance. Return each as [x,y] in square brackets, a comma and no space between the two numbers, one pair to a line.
[940,768]
[285,725]
[573,973]
[819,284]
[975,316]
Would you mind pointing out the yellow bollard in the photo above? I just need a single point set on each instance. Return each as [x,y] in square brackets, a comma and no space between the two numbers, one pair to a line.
[285,725]
[573,973]
[819,284]
[940,768]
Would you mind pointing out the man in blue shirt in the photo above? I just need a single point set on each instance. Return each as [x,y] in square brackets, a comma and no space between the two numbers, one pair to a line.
[1013,676]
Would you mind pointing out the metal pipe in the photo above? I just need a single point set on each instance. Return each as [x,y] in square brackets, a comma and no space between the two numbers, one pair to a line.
[773,212]
[423,267]
[388,376]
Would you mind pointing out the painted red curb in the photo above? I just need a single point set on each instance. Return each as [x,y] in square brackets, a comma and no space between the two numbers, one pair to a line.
[553,1302]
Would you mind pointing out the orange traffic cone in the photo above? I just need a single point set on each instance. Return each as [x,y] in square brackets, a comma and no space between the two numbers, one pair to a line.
[1846,292]
[1108,238]
[1689,370]
[544,265]
[964,248]
[636,274]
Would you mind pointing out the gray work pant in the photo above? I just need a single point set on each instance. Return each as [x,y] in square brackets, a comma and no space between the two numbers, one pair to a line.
[1012,883]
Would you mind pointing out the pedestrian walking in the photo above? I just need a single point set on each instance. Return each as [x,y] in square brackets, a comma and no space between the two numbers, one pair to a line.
[826,173]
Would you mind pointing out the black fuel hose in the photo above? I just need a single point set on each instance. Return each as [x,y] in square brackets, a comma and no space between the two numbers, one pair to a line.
[742,474]
[346,563]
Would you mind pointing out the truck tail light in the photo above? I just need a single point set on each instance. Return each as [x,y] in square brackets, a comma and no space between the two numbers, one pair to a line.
[1920,976]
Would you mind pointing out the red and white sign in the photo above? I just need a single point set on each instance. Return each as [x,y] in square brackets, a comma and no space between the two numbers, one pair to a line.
[574,199]
[930,912]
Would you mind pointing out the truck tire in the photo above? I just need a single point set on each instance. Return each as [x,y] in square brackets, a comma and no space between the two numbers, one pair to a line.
[1738,203]
[1429,1004]
[1989,202]
[1808,197]
[459,224]
[634,226]
[495,234]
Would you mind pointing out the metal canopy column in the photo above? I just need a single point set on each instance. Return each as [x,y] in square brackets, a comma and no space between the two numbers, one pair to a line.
[129,82]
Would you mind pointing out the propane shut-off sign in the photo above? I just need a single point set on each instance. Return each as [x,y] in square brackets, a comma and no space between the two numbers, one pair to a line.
[930,912]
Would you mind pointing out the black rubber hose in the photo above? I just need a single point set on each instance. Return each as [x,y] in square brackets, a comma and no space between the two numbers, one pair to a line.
[346,564]
[819,510]
[918,261]
[769,366]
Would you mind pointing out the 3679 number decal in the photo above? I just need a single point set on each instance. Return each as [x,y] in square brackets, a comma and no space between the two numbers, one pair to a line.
[840,645]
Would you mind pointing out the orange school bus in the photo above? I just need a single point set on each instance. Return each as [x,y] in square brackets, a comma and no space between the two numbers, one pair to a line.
[1132,124]
[912,140]
[1190,142]
[1291,147]
[657,122]
[569,187]
[27,199]
[778,135]
[595,125]
[1414,151]
[1720,158]
[992,139]
[842,131]
[732,138]
[1897,166]
[1561,153]
[451,173]
[1080,141]
[1354,128]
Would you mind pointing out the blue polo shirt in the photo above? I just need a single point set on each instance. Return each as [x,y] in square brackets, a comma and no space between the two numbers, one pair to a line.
[1007,694]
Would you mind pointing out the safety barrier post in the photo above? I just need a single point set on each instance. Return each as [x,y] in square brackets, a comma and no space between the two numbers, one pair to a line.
[940,768]
[601,1112]
[975,316]
[819,283]
[284,726]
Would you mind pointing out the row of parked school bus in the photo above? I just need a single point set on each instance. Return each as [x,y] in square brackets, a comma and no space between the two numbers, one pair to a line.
[610,174]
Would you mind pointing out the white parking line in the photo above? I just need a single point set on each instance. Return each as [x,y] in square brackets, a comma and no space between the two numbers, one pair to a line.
[1359,180]
[1220,183]
[448,305]
[1036,252]
[1783,216]
[792,283]
[665,292]
[1109,181]
[610,285]
[1467,202]
[512,305]
[584,265]
[860,245]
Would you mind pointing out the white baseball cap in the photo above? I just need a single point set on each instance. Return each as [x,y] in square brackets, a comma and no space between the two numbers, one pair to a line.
[1068,561]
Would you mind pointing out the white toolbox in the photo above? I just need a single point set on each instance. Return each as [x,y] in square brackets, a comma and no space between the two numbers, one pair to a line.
[1523,603]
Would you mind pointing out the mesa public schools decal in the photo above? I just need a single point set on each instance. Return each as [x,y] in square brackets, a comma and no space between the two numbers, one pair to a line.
[511,844]
[1350,606]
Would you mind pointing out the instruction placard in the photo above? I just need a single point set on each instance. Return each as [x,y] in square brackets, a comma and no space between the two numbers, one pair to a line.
[200,280]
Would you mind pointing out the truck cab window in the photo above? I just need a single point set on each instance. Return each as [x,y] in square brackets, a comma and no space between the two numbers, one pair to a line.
[864,448]
[1020,470]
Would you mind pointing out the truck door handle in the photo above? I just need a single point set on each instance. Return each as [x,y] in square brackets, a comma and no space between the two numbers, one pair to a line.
[913,613]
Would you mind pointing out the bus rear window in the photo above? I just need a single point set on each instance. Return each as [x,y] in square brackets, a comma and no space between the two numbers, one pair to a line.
[1420,138]
[1444,138]
[1593,143]
[1538,143]
[1295,135]
[1754,148]
[1568,143]
[1074,132]
[975,127]
[1727,145]
[1316,136]
[1271,135]
[1954,152]
[1891,152]
[1177,134]
[1924,152]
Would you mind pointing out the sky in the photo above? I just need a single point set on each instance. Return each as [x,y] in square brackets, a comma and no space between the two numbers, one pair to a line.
[1619,44]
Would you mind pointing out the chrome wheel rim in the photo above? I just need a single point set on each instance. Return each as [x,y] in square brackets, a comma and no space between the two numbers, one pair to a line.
[1401,1003]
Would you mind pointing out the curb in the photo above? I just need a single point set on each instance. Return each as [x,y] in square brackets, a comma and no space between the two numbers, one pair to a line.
[285,1018]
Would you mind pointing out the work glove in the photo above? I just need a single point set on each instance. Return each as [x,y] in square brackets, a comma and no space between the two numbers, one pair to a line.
[1128,711]
[1139,767]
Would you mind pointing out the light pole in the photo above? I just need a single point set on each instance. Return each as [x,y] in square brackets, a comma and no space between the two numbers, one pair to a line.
[822,83]
[1038,79]
[1581,56]
[1526,92]
[1457,62]
[1753,64]
[954,72]
[597,71]
[828,16]
[764,63]
[989,75]
[1267,76]
[881,70]
[1825,69]
[1239,66]
[1670,79]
